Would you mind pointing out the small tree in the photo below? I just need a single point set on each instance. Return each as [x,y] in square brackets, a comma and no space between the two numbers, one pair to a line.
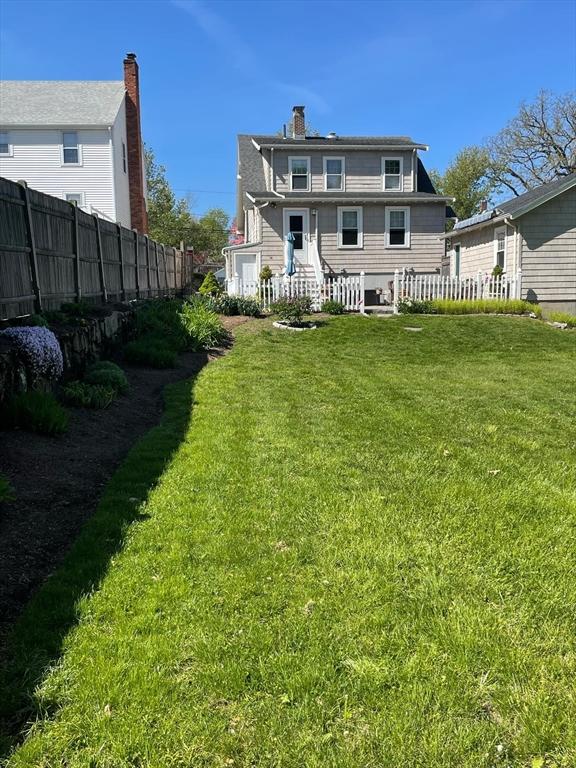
[266,273]
[467,180]
[210,286]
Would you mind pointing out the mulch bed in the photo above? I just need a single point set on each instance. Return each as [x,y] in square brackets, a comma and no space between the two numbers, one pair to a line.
[59,480]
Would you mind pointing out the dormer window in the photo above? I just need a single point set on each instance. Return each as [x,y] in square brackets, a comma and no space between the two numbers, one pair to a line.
[299,168]
[70,148]
[5,148]
[334,174]
[392,171]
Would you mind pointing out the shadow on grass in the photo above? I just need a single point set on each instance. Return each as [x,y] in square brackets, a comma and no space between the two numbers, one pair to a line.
[36,642]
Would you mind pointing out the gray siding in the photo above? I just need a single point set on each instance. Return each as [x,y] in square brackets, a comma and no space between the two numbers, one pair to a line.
[363,169]
[424,255]
[477,250]
[548,236]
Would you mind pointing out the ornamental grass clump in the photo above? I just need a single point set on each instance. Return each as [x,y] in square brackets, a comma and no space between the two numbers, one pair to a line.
[333,307]
[82,395]
[224,304]
[484,307]
[202,326]
[40,349]
[35,412]
[109,375]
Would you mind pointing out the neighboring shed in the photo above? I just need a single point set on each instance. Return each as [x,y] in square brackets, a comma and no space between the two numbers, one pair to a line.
[534,233]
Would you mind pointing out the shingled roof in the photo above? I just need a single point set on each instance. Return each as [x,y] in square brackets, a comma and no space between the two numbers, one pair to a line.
[60,103]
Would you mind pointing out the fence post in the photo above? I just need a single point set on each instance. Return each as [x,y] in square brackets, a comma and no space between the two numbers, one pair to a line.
[136,249]
[121,254]
[479,285]
[76,239]
[33,253]
[148,268]
[362,294]
[100,259]
[183,267]
[518,286]
[396,297]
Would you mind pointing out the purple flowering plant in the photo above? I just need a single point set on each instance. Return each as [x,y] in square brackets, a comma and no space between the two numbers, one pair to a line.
[40,348]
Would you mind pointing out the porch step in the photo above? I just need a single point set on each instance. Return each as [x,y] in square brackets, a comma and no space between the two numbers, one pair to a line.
[379,309]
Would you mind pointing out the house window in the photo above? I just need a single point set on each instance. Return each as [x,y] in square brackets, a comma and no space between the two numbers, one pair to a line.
[124,157]
[392,170]
[334,173]
[299,174]
[70,148]
[500,248]
[5,148]
[75,197]
[349,227]
[397,227]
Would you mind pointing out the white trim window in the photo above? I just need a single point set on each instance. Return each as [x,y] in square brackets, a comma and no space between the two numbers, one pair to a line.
[5,146]
[70,148]
[75,197]
[392,174]
[350,234]
[500,248]
[397,227]
[334,174]
[299,170]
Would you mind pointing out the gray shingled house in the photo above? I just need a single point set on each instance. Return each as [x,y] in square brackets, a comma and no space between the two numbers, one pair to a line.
[353,204]
[534,233]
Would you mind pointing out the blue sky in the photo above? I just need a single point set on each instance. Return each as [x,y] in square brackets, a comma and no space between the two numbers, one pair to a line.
[449,74]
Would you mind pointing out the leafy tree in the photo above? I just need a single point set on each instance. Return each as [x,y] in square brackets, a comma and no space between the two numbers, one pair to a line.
[467,179]
[537,146]
[169,219]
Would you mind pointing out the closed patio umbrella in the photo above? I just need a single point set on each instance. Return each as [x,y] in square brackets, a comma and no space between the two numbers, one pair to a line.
[289,263]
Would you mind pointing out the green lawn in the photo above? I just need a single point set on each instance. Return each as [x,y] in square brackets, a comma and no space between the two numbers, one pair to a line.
[359,553]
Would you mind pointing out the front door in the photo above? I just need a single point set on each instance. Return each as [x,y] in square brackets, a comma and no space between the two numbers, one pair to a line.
[297,221]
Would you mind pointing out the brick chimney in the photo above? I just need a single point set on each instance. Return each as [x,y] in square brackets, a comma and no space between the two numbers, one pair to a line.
[138,213]
[483,206]
[298,123]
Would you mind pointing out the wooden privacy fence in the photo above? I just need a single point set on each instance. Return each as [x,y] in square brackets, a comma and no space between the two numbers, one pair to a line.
[53,252]
[347,290]
[479,286]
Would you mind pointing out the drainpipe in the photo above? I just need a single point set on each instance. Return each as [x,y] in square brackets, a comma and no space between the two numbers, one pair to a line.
[273,179]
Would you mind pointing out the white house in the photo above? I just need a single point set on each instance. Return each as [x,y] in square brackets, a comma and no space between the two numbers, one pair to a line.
[78,140]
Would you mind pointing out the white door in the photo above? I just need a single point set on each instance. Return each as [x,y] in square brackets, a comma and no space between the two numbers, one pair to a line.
[246,267]
[297,221]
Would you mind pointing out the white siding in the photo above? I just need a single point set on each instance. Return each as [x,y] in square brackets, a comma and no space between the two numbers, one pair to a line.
[363,169]
[121,185]
[37,159]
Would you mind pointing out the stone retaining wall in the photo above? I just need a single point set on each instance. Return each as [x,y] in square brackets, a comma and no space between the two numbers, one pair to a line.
[80,344]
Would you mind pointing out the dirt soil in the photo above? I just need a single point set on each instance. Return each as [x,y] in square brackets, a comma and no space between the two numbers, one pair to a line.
[59,480]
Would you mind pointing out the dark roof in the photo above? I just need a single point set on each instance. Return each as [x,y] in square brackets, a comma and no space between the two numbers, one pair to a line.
[338,141]
[424,181]
[521,204]
[350,196]
[536,196]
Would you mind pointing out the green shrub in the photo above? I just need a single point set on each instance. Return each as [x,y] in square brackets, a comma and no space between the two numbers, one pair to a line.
[202,326]
[292,309]
[160,318]
[83,395]
[38,321]
[150,351]
[210,285]
[55,317]
[108,377]
[6,490]
[563,317]
[415,307]
[485,306]
[36,412]
[333,307]
[266,273]
[223,304]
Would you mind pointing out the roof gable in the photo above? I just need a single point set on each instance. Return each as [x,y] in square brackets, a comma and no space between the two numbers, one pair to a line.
[60,102]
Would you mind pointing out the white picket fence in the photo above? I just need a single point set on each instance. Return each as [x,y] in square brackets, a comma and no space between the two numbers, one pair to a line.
[347,290]
[480,286]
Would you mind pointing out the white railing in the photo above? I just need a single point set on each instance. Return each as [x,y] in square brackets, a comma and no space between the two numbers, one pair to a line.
[347,290]
[480,286]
